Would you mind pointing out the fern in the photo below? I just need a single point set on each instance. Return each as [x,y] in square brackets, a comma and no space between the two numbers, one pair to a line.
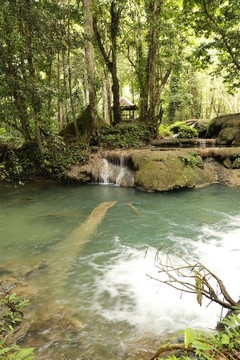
[16,353]
[22,354]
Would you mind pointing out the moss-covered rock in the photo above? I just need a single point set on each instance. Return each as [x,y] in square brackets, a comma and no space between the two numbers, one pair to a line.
[166,170]
[236,163]
[85,126]
[201,125]
[226,129]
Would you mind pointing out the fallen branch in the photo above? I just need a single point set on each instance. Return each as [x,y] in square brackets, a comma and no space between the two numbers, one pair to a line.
[193,278]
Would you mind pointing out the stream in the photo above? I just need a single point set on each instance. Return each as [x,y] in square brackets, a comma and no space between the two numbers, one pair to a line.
[103,284]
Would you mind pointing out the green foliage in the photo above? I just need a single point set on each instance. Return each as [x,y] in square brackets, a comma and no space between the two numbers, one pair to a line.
[125,136]
[27,163]
[12,316]
[187,132]
[184,131]
[206,346]
[216,25]
[4,175]
[14,352]
[180,128]
[164,131]
[192,160]
[59,156]
[2,132]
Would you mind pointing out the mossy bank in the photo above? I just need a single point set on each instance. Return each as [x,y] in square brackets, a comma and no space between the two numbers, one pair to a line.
[163,170]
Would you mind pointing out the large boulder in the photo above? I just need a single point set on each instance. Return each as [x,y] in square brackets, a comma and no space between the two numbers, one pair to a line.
[85,126]
[167,170]
[201,125]
[226,130]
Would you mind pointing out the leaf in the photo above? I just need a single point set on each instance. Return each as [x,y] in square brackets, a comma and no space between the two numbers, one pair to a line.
[225,339]
[199,345]
[198,286]
[187,337]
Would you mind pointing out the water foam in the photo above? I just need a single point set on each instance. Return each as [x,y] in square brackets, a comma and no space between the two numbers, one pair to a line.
[124,291]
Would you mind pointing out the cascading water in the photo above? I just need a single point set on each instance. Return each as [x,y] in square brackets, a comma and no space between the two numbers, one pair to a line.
[116,173]
[105,177]
[122,171]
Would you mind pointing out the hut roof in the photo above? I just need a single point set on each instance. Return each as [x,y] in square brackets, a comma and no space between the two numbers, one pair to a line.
[126,104]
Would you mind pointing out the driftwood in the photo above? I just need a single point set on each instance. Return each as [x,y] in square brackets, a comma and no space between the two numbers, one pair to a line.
[193,278]
[133,208]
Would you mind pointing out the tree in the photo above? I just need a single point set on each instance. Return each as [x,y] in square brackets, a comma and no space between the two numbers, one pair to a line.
[153,50]
[89,55]
[216,23]
[110,58]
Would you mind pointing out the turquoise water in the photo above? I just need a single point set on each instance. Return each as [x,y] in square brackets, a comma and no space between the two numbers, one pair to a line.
[106,284]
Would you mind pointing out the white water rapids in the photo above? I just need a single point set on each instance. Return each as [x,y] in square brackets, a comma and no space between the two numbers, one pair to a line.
[124,292]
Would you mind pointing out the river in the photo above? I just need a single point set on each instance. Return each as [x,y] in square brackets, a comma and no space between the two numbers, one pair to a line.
[105,282]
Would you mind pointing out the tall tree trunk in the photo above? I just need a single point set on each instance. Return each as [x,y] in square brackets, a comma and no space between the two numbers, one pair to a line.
[70,75]
[115,10]
[58,87]
[107,81]
[65,97]
[89,56]
[49,75]
[152,63]
[115,85]
[143,75]
[106,99]
[85,87]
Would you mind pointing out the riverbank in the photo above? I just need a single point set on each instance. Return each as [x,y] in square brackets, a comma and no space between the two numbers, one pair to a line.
[152,169]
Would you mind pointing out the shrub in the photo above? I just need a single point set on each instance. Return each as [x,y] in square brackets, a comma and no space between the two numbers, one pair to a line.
[201,345]
[124,136]
[164,131]
[184,131]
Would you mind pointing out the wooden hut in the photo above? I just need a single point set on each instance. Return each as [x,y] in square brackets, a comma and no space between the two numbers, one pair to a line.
[127,108]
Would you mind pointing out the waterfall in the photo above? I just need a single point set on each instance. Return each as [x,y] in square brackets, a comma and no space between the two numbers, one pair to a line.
[105,174]
[116,173]
[122,171]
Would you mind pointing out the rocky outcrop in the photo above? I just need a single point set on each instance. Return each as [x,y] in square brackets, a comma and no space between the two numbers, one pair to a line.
[167,170]
[226,130]
[154,169]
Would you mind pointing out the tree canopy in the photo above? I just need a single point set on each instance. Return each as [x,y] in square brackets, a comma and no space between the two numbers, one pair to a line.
[175,60]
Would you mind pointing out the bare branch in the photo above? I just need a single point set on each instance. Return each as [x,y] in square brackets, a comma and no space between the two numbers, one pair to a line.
[192,278]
